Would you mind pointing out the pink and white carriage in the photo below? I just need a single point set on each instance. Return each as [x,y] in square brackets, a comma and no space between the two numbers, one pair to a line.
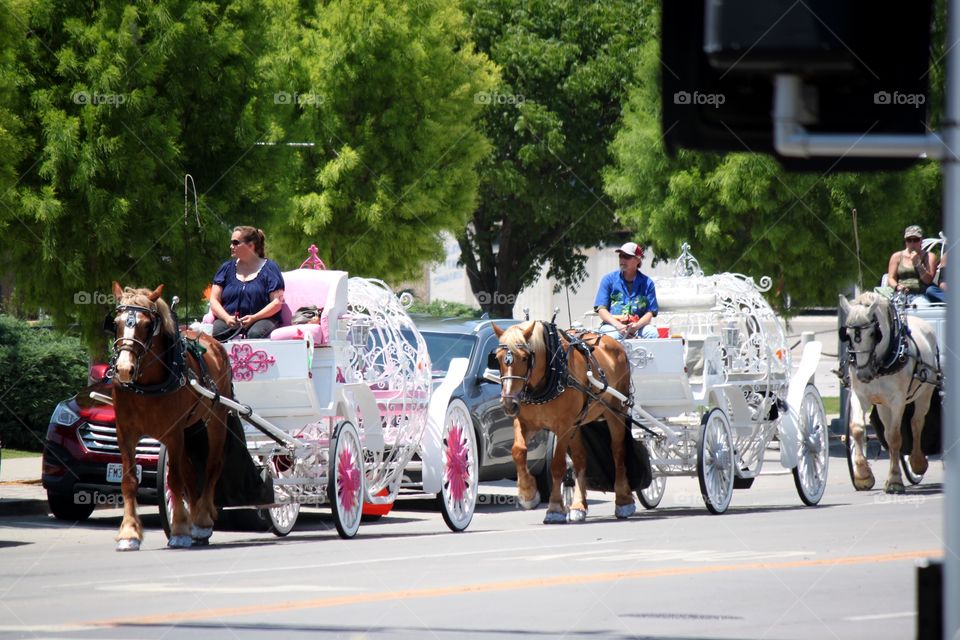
[335,411]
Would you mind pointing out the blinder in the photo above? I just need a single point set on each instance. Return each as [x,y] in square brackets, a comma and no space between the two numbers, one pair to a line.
[137,348]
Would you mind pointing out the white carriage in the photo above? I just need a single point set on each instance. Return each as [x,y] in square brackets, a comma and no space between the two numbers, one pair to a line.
[336,410]
[709,399]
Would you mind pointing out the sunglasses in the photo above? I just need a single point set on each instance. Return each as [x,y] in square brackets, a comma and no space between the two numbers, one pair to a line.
[237,243]
[913,239]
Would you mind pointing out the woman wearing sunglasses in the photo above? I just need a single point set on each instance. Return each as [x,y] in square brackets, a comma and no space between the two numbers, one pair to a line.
[912,269]
[247,290]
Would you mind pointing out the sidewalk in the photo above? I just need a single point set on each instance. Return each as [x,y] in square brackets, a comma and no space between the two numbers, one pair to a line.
[20,490]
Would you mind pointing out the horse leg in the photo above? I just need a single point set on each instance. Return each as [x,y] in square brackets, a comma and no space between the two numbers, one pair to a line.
[863,479]
[578,509]
[179,482]
[527,494]
[207,514]
[131,530]
[921,406]
[556,511]
[891,417]
[625,507]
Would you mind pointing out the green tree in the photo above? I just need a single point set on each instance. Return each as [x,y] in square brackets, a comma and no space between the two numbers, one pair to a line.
[740,212]
[565,67]
[385,90]
[123,99]
[14,144]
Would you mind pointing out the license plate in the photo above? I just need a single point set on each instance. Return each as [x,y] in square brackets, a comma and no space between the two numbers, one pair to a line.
[115,472]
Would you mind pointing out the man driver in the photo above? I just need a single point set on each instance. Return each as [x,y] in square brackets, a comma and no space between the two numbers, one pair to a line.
[627,300]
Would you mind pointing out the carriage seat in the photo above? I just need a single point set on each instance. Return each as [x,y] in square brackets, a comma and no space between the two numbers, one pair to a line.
[680,300]
[305,287]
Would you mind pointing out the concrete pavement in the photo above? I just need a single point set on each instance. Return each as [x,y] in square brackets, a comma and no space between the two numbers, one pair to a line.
[20,490]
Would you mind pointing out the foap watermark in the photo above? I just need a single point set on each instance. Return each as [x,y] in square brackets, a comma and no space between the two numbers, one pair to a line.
[98,498]
[915,100]
[915,500]
[96,98]
[492,97]
[486,297]
[310,99]
[94,297]
[496,499]
[696,98]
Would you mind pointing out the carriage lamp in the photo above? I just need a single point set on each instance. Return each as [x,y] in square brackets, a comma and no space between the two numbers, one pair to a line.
[359,332]
[730,334]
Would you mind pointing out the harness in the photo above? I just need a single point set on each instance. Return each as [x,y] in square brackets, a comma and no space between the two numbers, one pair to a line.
[557,377]
[173,357]
[901,348]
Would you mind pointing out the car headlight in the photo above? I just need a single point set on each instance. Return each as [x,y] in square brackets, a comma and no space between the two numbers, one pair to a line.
[64,415]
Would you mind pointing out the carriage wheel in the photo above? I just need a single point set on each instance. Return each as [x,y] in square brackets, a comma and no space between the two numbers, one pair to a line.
[715,461]
[458,492]
[651,496]
[282,517]
[345,488]
[164,495]
[810,474]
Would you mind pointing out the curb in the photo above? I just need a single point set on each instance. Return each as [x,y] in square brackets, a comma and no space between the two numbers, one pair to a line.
[23,507]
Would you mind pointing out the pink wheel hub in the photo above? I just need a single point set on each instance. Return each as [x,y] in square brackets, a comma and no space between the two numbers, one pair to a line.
[348,480]
[457,467]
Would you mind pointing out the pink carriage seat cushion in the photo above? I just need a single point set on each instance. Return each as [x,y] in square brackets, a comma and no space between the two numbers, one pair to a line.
[298,331]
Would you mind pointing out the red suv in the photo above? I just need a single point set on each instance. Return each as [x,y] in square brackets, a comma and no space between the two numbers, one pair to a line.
[81,460]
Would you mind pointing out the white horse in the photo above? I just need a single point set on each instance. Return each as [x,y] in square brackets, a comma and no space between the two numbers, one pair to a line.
[892,363]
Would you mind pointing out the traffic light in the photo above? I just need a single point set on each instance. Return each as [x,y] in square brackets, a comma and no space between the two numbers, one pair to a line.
[864,67]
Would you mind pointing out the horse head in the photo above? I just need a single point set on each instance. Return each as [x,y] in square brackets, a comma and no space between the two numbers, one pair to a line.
[866,332]
[141,315]
[520,356]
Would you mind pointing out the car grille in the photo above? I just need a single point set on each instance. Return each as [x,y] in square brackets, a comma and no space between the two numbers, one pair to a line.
[103,439]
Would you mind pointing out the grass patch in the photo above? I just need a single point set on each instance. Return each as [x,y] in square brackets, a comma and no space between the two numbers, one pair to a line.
[831,404]
[17,453]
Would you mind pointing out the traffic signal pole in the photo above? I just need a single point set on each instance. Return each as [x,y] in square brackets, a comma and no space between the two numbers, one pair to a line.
[791,139]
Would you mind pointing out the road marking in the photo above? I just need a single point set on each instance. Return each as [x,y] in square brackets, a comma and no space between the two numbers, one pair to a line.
[882,616]
[171,618]
[161,587]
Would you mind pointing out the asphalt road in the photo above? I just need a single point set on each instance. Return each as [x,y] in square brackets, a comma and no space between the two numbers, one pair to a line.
[768,568]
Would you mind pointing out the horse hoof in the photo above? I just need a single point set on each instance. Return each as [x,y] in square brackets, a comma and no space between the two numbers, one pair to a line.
[200,533]
[555,517]
[576,515]
[128,544]
[894,487]
[624,511]
[920,468]
[180,542]
[526,505]
[864,484]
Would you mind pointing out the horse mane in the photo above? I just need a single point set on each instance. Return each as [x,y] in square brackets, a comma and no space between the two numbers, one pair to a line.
[141,298]
[513,337]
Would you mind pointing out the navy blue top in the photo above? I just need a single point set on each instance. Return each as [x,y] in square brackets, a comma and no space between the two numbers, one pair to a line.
[246,298]
[620,298]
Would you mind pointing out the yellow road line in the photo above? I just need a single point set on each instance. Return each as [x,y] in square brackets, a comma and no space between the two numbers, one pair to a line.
[509,585]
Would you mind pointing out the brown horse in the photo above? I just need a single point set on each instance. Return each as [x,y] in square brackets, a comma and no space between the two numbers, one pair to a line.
[151,397]
[527,371]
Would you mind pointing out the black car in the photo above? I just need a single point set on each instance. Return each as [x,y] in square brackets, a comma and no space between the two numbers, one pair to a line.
[81,459]
[475,339]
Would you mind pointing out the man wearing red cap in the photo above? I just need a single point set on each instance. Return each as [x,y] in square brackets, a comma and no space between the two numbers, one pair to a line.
[627,300]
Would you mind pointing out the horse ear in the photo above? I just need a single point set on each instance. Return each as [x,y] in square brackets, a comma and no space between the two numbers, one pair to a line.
[529,331]
[156,293]
[497,330]
[844,306]
[117,290]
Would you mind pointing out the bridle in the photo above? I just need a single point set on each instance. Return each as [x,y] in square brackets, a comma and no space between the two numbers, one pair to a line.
[137,348]
[508,362]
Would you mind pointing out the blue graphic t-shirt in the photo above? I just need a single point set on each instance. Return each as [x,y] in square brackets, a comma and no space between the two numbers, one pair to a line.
[246,298]
[622,299]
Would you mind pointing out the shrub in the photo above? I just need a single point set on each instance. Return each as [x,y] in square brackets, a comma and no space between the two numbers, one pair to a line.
[40,368]
[445,309]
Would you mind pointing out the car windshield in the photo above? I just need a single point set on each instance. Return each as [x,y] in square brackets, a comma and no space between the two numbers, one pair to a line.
[444,347]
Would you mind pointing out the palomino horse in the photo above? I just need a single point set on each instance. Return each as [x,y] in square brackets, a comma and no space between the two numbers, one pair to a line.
[151,398]
[546,387]
[891,365]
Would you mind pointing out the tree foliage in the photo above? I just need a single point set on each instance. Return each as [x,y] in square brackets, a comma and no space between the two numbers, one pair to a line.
[740,212]
[385,89]
[564,68]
